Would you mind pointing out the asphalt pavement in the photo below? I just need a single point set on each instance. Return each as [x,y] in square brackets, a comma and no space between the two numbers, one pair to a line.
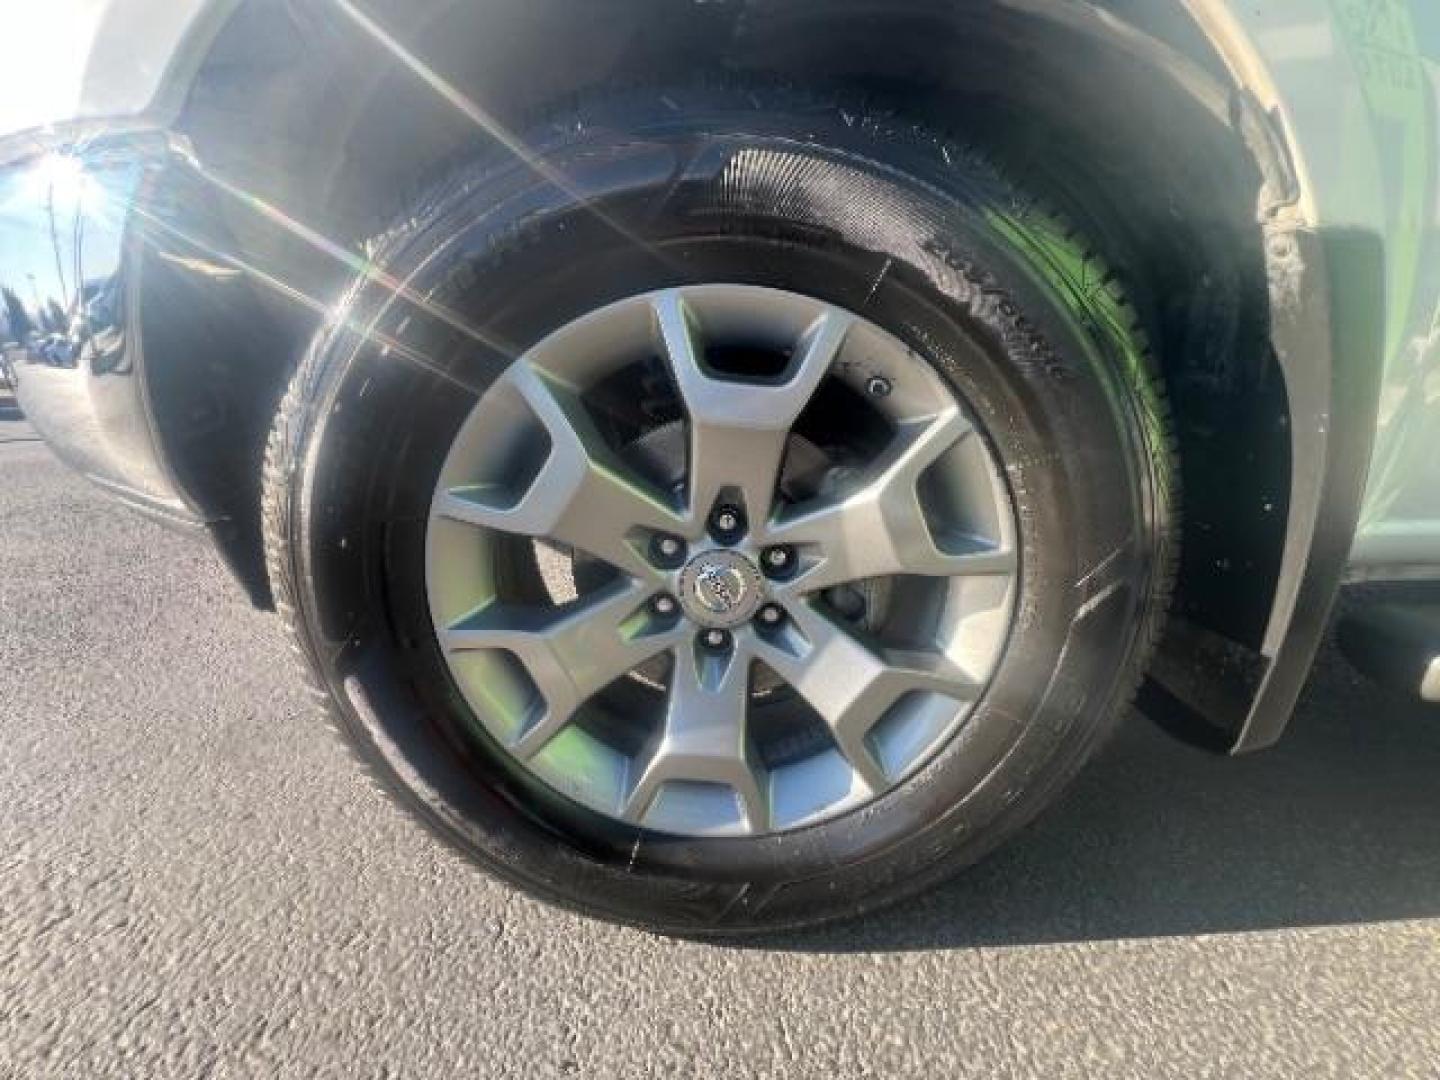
[195,881]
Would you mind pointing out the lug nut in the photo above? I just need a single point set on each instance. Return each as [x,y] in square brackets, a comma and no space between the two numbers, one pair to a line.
[664,605]
[727,523]
[779,560]
[668,551]
[770,615]
[715,640]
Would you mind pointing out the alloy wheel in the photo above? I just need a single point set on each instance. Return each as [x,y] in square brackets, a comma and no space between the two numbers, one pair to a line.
[721,560]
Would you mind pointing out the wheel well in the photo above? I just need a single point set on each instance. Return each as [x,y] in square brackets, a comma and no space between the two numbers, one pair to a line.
[322,122]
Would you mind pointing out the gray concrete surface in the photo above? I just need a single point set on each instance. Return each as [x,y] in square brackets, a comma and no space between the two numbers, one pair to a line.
[195,882]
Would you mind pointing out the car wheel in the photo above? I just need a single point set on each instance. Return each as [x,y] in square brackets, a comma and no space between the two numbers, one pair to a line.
[739,513]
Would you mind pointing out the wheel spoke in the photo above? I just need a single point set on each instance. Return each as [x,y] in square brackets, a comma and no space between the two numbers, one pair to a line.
[738,429]
[571,653]
[879,528]
[583,495]
[704,738]
[851,685]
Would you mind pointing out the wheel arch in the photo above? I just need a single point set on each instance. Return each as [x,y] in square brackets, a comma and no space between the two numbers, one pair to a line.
[305,129]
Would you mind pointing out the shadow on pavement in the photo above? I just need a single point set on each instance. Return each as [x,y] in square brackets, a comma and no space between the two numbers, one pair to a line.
[1338,824]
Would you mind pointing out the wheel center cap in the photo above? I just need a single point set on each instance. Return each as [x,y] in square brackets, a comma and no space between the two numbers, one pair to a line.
[720,588]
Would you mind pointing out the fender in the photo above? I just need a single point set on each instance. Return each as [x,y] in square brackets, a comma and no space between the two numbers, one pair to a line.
[1336,256]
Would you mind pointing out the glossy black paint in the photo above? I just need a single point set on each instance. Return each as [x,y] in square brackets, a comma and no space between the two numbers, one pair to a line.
[135,354]
[69,279]
[216,362]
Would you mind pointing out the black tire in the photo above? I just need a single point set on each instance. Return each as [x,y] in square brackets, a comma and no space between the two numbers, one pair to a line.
[769,188]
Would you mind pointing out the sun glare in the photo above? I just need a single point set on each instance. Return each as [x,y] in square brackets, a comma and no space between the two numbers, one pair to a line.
[62,180]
